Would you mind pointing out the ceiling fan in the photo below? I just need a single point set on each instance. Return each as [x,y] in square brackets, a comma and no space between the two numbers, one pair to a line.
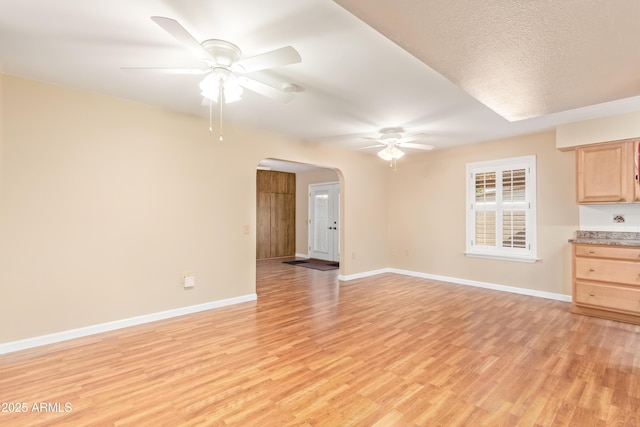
[225,74]
[392,139]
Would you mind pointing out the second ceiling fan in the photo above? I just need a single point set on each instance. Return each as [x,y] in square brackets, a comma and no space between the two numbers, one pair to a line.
[392,140]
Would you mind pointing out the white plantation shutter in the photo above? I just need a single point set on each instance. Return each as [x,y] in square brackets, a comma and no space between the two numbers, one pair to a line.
[501,208]
[514,208]
[485,212]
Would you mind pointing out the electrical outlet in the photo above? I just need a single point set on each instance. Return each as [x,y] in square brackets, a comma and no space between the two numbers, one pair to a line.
[618,219]
[188,280]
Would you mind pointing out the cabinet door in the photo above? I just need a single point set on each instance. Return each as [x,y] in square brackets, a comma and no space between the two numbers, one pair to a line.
[263,182]
[276,214]
[605,173]
[263,226]
[636,169]
[283,182]
[283,218]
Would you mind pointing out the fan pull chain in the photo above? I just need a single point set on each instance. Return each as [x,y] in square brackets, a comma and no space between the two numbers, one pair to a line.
[221,139]
[211,116]
[221,101]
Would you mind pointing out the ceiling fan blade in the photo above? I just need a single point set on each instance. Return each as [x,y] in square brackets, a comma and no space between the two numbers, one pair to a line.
[413,137]
[275,58]
[174,28]
[265,90]
[190,71]
[416,146]
[372,146]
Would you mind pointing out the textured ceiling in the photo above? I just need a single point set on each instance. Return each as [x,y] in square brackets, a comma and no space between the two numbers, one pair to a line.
[521,58]
[444,68]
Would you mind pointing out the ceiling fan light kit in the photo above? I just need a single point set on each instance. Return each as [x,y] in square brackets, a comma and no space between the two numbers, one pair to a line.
[390,153]
[221,86]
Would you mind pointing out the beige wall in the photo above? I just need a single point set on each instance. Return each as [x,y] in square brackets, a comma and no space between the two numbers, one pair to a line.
[613,128]
[105,203]
[426,208]
[1,136]
[303,180]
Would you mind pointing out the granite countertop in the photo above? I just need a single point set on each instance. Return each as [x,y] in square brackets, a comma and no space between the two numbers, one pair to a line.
[615,238]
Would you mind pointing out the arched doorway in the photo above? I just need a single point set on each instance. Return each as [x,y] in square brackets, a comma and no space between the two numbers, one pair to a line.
[305,175]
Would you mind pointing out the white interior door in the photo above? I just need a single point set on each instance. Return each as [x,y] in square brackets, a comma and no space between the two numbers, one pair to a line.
[324,221]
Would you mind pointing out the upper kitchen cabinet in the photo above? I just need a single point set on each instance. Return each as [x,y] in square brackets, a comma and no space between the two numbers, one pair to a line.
[608,172]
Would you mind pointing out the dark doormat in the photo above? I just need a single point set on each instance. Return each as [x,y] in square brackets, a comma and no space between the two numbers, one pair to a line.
[295,262]
[316,264]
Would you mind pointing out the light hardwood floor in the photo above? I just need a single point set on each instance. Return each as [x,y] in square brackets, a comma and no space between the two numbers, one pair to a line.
[388,350]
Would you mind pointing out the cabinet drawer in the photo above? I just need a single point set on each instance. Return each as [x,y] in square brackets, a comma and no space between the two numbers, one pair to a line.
[620,252]
[613,297]
[608,270]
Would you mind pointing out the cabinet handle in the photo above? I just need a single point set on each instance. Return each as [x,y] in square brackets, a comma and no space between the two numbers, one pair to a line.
[591,251]
[591,294]
[591,269]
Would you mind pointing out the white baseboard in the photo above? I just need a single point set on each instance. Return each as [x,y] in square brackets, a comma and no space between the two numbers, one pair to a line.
[486,285]
[119,324]
[305,256]
[363,275]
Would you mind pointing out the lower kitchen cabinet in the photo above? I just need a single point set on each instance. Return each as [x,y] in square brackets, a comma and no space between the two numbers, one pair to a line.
[606,281]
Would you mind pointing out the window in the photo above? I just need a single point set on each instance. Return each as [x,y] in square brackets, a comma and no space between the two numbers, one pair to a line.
[501,209]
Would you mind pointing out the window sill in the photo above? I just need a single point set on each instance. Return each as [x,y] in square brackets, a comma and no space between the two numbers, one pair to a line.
[503,257]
